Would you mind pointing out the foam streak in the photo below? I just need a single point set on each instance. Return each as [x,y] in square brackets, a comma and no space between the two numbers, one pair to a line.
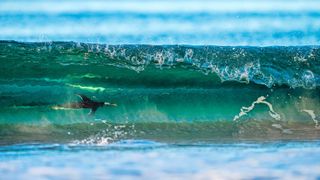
[313,117]
[261,100]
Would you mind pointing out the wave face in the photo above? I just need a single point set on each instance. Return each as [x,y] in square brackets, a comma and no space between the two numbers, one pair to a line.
[165,93]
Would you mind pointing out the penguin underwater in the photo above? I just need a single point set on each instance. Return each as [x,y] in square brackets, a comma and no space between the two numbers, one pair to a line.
[84,103]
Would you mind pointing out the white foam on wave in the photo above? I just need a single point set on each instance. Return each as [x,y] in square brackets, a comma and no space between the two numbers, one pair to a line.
[313,117]
[261,100]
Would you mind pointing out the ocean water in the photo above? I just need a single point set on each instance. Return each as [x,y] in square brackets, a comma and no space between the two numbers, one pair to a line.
[204,22]
[204,89]
[137,159]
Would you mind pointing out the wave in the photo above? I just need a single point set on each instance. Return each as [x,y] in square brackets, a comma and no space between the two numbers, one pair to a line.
[162,65]
[164,93]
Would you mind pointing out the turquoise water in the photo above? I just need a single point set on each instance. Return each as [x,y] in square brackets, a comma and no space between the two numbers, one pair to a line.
[209,90]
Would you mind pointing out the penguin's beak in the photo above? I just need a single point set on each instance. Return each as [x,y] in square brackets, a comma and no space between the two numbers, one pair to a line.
[109,104]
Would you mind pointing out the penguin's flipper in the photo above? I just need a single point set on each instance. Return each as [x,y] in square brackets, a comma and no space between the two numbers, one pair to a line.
[84,98]
[92,111]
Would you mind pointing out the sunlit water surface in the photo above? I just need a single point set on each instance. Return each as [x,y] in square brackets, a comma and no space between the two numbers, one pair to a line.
[146,159]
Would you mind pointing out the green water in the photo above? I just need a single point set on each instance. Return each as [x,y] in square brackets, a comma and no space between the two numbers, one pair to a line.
[163,93]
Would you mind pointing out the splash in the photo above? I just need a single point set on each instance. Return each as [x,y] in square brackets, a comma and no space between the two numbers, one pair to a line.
[109,134]
[96,140]
[261,100]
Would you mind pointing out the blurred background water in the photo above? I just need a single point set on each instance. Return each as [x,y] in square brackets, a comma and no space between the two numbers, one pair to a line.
[145,160]
[231,22]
